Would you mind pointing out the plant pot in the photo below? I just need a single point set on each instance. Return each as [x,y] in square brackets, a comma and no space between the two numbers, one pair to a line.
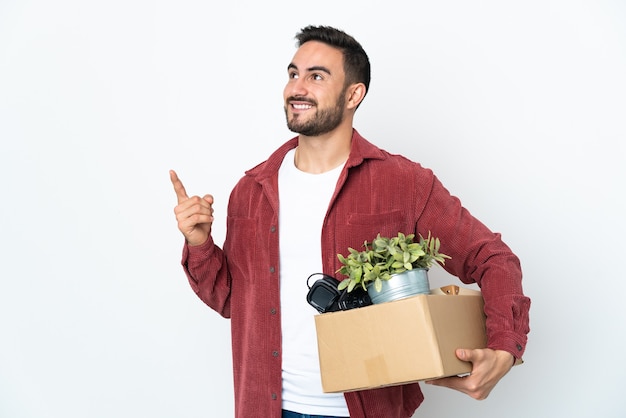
[400,286]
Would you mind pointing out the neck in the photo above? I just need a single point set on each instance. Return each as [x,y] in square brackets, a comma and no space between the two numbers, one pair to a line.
[320,154]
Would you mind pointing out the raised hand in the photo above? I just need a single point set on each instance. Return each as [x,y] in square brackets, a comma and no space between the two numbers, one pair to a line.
[194,214]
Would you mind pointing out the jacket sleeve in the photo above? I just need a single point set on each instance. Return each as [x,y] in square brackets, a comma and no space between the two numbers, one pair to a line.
[479,255]
[207,272]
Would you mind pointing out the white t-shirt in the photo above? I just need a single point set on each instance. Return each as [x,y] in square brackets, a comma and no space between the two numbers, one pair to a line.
[304,200]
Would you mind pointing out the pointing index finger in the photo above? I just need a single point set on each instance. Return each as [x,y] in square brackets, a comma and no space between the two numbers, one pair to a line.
[181,193]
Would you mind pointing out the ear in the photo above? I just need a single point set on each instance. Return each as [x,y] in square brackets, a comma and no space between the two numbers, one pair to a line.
[356,93]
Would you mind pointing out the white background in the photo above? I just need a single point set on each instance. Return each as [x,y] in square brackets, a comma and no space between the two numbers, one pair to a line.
[519,107]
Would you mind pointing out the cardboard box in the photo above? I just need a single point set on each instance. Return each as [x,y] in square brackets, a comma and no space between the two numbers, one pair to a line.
[398,342]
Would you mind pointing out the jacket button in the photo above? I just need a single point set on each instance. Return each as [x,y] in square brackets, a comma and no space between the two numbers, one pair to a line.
[273,311]
[519,347]
[275,353]
[272,229]
[272,269]
[274,397]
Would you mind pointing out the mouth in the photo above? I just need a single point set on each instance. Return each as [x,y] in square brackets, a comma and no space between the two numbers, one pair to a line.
[300,105]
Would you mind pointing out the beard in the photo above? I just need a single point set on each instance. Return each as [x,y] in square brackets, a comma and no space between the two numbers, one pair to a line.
[323,121]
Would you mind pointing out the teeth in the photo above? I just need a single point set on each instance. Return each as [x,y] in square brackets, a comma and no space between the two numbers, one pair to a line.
[302,106]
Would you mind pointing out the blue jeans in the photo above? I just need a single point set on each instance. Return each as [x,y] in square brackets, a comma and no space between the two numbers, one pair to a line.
[289,414]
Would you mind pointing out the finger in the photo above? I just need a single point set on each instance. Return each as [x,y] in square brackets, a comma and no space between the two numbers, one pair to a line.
[181,193]
[466,354]
[193,206]
[470,385]
[188,224]
[208,198]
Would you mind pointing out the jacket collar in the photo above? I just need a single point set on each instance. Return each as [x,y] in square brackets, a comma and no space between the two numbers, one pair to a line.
[360,151]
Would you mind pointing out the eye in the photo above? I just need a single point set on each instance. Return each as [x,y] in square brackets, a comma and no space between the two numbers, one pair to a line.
[317,77]
[293,75]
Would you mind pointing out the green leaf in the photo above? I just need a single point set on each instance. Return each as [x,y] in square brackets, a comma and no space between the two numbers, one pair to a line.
[380,243]
[397,265]
[378,285]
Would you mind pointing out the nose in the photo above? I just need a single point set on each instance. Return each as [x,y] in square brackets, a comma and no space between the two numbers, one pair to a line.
[295,87]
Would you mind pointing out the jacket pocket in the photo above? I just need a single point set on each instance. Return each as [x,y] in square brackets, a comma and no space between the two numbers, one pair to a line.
[361,227]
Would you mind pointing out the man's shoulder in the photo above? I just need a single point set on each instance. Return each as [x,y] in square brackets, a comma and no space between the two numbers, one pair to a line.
[396,161]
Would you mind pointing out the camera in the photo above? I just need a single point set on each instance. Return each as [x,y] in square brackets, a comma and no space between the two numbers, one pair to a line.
[324,296]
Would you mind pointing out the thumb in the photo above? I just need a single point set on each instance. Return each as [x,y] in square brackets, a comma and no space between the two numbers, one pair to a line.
[208,198]
[464,354]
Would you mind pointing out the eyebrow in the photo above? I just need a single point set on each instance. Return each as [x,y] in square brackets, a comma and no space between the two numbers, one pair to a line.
[310,69]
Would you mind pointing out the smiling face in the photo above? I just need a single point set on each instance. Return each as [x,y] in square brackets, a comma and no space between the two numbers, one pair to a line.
[315,95]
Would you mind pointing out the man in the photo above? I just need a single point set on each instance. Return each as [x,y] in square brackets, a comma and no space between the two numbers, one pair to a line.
[323,191]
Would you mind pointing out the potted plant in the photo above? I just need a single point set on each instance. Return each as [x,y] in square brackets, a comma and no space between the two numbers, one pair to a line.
[387,258]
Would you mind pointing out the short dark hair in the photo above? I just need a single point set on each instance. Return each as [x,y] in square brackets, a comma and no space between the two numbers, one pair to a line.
[356,64]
